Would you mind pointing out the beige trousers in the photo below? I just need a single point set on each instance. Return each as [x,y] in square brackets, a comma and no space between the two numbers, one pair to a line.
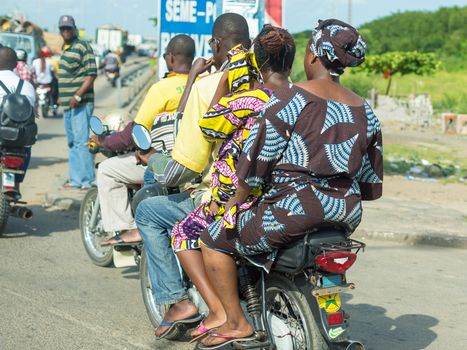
[113,175]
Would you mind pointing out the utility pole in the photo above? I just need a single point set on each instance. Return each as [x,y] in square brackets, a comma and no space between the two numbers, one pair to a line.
[349,12]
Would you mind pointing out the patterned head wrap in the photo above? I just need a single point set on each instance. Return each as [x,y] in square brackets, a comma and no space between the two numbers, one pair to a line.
[338,45]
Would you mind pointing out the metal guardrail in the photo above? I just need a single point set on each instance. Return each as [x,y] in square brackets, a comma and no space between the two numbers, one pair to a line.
[131,83]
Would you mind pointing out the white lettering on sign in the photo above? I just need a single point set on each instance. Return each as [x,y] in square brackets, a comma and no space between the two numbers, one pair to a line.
[210,12]
[181,11]
[202,47]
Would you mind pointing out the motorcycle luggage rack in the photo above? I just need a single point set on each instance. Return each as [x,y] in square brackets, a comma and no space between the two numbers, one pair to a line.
[349,244]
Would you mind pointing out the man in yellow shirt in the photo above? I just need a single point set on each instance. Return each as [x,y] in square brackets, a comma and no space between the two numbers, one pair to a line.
[114,174]
[191,155]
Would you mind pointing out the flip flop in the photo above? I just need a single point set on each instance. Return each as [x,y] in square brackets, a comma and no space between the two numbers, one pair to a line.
[228,341]
[203,331]
[119,242]
[172,325]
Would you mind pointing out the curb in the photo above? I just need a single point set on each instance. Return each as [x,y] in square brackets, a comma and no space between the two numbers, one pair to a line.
[428,238]
[61,203]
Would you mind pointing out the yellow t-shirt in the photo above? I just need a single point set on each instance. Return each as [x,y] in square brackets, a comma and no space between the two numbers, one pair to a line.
[191,148]
[163,96]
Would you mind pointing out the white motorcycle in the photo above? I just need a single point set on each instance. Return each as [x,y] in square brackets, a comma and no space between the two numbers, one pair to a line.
[44,99]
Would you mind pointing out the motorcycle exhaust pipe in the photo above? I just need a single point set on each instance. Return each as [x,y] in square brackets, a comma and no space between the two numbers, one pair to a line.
[21,212]
[347,345]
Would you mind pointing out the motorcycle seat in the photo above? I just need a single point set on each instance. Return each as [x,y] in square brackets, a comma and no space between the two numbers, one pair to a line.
[300,255]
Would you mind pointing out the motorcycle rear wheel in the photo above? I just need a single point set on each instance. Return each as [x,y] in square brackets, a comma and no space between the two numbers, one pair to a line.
[4,212]
[155,313]
[290,306]
[92,237]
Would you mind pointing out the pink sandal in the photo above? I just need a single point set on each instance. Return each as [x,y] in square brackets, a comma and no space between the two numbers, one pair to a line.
[202,330]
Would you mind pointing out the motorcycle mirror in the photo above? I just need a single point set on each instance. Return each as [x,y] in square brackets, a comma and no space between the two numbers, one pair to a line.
[96,125]
[141,137]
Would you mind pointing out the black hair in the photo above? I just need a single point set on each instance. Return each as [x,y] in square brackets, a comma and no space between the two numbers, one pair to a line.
[182,45]
[8,58]
[274,49]
[232,28]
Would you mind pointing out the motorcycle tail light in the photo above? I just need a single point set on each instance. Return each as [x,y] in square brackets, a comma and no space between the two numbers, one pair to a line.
[12,162]
[336,318]
[336,262]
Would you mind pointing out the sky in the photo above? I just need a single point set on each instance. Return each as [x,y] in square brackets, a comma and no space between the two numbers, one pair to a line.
[134,15]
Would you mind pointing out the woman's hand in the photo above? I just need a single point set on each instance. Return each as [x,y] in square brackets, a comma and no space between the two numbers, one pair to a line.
[201,65]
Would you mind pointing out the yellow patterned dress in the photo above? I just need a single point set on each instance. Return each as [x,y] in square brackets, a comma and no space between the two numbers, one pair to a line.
[229,121]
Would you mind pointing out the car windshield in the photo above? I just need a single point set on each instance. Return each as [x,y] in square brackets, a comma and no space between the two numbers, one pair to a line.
[17,41]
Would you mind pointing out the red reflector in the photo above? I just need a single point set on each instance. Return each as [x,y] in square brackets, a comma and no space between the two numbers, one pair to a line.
[12,162]
[335,319]
[335,262]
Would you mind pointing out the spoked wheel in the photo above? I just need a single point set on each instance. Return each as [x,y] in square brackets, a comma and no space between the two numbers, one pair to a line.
[4,211]
[290,317]
[93,236]
[155,312]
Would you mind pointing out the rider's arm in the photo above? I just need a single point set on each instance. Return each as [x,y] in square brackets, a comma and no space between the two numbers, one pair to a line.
[370,177]
[169,172]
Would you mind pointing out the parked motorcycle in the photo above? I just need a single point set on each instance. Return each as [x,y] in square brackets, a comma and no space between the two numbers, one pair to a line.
[298,305]
[44,98]
[90,219]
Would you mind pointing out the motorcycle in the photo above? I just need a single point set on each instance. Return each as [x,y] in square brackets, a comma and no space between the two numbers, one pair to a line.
[90,219]
[11,162]
[112,76]
[44,97]
[298,305]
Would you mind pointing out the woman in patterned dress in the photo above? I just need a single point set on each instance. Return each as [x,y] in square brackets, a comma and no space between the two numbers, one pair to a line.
[230,121]
[316,152]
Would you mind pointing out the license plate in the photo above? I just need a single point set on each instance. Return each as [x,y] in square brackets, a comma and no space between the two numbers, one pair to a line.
[330,303]
[8,180]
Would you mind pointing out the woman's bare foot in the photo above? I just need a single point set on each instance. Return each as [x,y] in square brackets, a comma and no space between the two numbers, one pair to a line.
[128,236]
[210,322]
[242,330]
[179,311]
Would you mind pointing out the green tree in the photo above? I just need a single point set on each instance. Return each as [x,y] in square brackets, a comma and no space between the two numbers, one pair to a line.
[402,63]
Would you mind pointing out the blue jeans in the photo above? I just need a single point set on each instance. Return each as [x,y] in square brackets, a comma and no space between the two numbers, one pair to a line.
[149,177]
[81,161]
[155,218]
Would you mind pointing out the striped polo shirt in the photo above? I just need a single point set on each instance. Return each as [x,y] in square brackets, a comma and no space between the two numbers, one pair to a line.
[77,62]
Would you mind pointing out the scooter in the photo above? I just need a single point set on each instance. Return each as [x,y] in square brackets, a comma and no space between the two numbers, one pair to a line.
[44,97]
[11,163]
[112,76]
[298,305]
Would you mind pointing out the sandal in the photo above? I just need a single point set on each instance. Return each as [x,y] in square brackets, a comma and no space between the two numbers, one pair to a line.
[228,340]
[174,324]
[118,242]
[203,331]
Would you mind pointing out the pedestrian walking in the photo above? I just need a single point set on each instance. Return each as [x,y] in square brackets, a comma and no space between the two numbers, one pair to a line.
[76,75]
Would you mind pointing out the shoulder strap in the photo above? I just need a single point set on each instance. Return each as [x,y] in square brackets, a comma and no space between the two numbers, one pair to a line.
[19,87]
[4,88]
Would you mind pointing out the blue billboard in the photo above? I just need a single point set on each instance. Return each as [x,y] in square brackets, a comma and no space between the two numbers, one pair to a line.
[192,17]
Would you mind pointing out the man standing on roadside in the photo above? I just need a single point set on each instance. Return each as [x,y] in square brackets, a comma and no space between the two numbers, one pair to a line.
[76,75]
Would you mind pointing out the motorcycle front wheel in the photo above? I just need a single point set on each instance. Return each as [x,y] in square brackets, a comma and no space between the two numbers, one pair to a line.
[4,211]
[290,317]
[155,312]
[44,110]
[92,237]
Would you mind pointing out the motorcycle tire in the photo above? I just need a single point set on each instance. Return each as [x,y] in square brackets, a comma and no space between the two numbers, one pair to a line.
[4,212]
[92,238]
[44,111]
[155,313]
[302,328]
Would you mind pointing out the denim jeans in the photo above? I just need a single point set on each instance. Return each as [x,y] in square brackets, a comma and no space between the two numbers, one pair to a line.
[155,218]
[81,161]
[149,177]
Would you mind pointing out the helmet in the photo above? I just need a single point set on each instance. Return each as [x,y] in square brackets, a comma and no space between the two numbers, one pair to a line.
[21,55]
[115,121]
[45,52]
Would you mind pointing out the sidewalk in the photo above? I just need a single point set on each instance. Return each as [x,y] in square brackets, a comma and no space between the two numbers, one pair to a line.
[417,212]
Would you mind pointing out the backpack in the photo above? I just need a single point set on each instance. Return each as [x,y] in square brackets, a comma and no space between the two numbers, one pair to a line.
[17,120]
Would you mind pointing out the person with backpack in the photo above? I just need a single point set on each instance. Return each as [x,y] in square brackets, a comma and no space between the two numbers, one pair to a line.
[10,85]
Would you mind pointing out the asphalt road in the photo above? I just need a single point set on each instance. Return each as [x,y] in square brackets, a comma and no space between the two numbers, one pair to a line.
[53,297]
